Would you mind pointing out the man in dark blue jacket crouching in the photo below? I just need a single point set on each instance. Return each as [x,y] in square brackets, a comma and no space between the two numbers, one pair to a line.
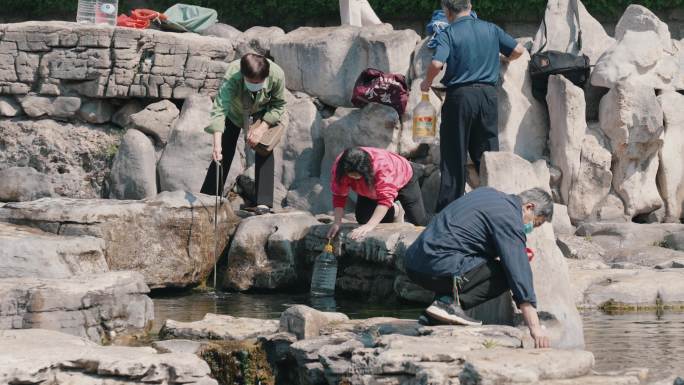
[474,250]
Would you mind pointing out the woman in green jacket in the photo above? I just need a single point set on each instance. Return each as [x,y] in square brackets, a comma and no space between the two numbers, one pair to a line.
[261,83]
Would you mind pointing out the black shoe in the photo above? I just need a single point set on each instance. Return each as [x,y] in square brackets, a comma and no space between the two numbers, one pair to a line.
[426,320]
[450,313]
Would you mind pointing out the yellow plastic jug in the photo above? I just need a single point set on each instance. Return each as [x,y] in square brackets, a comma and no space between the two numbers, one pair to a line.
[424,120]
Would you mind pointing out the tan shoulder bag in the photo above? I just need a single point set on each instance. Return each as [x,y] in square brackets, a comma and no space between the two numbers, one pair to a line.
[271,137]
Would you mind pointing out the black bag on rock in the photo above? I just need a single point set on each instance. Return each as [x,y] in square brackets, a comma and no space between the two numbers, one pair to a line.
[576,68]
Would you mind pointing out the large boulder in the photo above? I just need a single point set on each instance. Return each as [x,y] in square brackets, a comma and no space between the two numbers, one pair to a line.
[134,174]
[642,289]
[299,154]
[92,306]
[168,238]
[671,172]
[310,195]
[187,154]
[584,163]
[222,30]
[628,235]
[638,18]
[21,184]
[305,322]
[264,251]
[29,252]
[644,52]
[495,172]
[639,56]
[122,116]
[9,107]
[75,156]
[551,278]
[96,111]
[59,107]
[633,121]
[218,327]
[560,32]
[257,40]
[156,120]
[643,257]
[40,356]
[523,120]
[325,62]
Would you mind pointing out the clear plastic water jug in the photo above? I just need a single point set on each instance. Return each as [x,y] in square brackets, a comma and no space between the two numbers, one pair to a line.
[97,11]
[324,273]
[424,120]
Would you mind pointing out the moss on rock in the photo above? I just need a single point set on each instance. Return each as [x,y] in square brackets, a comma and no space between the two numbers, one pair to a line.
[237,363]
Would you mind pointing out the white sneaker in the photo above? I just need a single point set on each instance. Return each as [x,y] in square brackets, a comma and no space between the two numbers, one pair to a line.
[398,213]
[262,209]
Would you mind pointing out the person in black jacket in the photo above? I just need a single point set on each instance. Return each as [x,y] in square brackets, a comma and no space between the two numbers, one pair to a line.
[474,251]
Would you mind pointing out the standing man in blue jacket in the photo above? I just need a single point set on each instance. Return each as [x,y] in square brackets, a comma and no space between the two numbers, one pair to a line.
[470,48]
[474,251]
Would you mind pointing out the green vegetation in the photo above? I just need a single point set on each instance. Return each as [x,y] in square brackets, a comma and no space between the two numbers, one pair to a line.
[237,363]
[292,13]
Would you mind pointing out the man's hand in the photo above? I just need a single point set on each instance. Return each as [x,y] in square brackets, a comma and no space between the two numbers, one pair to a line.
[334,229]
[541,341]
[433,70]
[255,134]
[425,86]
[361,232]
[531,317]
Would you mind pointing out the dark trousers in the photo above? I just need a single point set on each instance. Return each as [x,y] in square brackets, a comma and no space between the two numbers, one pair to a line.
[469,125]
[411,199]
[265,168]
[477,286]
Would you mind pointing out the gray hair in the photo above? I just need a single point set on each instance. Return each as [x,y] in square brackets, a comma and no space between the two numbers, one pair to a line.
[456,6]
[543,204]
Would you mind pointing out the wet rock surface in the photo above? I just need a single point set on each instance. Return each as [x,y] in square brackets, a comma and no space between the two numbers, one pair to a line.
[219,327]
[168,238]
[94,306]
[29,252]
[41,356]
[402,352]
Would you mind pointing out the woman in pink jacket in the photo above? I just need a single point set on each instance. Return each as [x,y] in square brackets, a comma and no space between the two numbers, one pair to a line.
[380,178]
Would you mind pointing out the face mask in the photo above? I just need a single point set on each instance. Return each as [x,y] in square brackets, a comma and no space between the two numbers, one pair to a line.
[254,87]
[528,228]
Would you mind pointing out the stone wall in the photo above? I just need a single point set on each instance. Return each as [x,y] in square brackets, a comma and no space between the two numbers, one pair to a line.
[60,58]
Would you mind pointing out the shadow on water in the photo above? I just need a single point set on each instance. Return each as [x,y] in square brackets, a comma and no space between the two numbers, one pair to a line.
[618,341]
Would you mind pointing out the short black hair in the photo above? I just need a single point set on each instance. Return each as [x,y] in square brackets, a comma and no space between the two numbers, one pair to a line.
[255,66]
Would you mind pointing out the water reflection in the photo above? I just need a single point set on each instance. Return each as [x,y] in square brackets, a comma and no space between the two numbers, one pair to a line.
[647,340]
[618,341]
[193,307]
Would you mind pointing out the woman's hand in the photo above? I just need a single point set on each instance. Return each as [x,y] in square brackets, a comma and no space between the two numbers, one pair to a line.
[217,152]
[334,229]
[255,134]
[361,232]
